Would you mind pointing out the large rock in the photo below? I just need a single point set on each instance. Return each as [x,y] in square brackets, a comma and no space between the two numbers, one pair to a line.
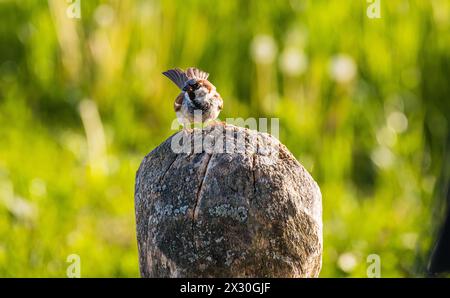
[238,206]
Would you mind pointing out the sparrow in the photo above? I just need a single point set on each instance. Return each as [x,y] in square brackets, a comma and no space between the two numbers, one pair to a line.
[197,96]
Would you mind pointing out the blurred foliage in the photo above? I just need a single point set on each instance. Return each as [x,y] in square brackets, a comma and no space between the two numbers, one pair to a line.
[363,104]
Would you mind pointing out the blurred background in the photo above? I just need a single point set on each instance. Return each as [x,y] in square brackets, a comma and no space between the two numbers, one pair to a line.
[363,104]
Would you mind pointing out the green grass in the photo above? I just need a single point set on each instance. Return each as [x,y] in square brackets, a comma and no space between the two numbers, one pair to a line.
[83,100]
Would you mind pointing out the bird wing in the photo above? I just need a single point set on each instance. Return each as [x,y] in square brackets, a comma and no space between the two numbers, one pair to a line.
[178,76]
[220,100]
[195,73]
[178,102]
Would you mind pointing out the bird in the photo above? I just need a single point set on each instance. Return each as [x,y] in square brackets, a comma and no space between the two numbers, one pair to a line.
[198,96]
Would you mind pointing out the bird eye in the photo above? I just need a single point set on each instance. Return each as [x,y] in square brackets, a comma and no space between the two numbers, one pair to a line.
[196,86]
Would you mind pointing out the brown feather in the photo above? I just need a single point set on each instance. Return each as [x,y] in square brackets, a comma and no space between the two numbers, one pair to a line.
[218,97]
[195,73]
[207,84]
[178,102]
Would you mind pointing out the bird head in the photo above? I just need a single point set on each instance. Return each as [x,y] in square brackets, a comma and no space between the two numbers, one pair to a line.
[191,85]
[198,88]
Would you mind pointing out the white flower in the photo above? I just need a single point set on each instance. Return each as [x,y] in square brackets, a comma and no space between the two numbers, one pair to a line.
[342,68]
[386,136]
[382,157]
[263,49]
[104,15]
[347,262]
[397,121]
[293,62]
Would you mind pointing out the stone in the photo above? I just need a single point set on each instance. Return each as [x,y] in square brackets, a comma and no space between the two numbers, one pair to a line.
[226,201]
